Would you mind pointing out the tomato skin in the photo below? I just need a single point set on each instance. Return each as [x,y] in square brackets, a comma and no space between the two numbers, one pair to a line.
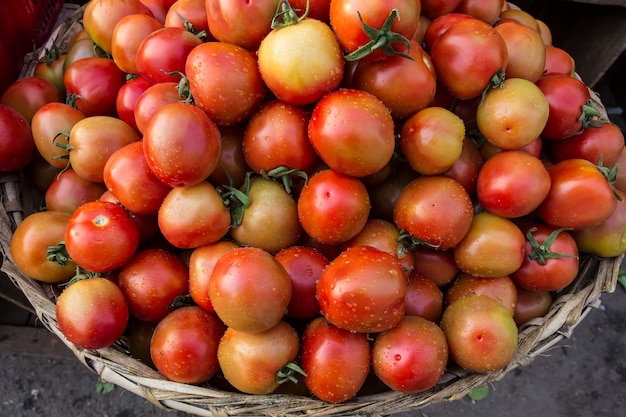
[331,355]
[502,289]
[412,356]
[420,211]
[16,140]
[526,51]
[225,81]
[559,61]
[29,94]
[344,128]
[439,25]
[181,144]
[127,36]
[101,236]
[556,273]
[363,290]
[194,11]
[92,313]
[456,51]
[30,243]
[434,264]
[68,191]
[249,289]
[600,145]
[580,196]
[51,69]
[485,10]
[285,52]
[466,168]
[423,298]
[333,208]
[184,345]
[435,8]
[231,168]
[153,98]
[127,97]
[150,281]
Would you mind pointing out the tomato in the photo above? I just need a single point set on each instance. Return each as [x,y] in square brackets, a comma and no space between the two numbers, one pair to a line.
[559,61]
[92,313]
[249,289]
[30,242]
[404,85]
[423,298]
[439,25]
[286,51]
[348,16]
[181,144]
[50,67]
[161,56]
[81,48]
[551,261]
[514,115]
[127,35]
[580,196]
[158,8]
[531,304]
[49,126]
[128,177]
[225,81]
[412,356]
[432,140]
[188,14]
[344,128]
[501,289]
[127,97]
[29,94]
[485,10]
[276,135]
[40,172]
[184,345]
[153,98]
[318,9]
[201,263]
[68,191]
[270,220]
[93,83]
[456,52]
[147,224]
[304,266]
[526,51]
[566,97]
[601,145]
[333,208]
[331,354]
[101,236]
[435,210]
[605,239]
[363,290]
[519,16]
[435,264]
[466,168]
[383,196]
[512,184]
[16,140]
[231,168]
[252,362]
[205,220]
[493,247]
[150,281]
[101,16]
[435,8]
[93,140]
[243,23]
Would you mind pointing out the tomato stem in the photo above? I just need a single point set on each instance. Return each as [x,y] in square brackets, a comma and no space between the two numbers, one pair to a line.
[189,27]
[590,116]
[58,254]
[611,176]
[541,251]
[288,373]
[496,81]
[410,242]
[286,175]
[382,39]
[286,15]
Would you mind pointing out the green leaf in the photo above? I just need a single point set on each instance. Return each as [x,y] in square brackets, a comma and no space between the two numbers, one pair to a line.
[103,387]
[479,393]
[621,278]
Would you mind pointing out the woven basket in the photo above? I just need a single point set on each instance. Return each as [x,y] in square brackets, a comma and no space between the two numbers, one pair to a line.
[20,198]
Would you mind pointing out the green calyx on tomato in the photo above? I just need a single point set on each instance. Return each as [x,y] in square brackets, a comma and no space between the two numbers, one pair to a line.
[380,39]
[590,116]
[189,27]
[287,16]
[497,81]
[541,251]
[611,176]
[288,373]
[285,175]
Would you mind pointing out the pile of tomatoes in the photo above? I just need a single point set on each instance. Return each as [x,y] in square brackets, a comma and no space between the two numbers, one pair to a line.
[259,192]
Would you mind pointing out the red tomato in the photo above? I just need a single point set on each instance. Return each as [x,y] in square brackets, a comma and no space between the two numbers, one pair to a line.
[434,264]
[580,196]
[92,313]
[332,207]
[456,52]
[231,168]
[127,97]
[486,10]
[101,236]
[601,145]
[225,81]
[190,15]
[30,243]
[181,144]
[423,298]
[331,354]
[346,125]
[551,261]
[184,345]
[440,24]
[128,34]
[68,191]
[147,224]
[151,281]
[501,289]
[526,51]
[318,9]
[435,210]
[466,168]
[93,84]
[559,61]
[27,95]
[363,290]
[153,98]
[412,356]
[16,140]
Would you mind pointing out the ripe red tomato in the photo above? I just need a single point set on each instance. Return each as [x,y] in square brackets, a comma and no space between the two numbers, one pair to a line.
[29,94]
[333,208]
[435,210]
[150,281]
[435,264]
[30,242]
[231,168]
[181,144]
[92,313]
[456,51]
[423,298]
[331,354]
[601,145]
[68,191]
[184,345]
[16,140]
[466,168]
[127,35]
[558,61]
[363,290]
[439,25]
[346,125]
[502,289]
[152,99]
[190,15]
[127,97]
[101,236]
[412,356]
